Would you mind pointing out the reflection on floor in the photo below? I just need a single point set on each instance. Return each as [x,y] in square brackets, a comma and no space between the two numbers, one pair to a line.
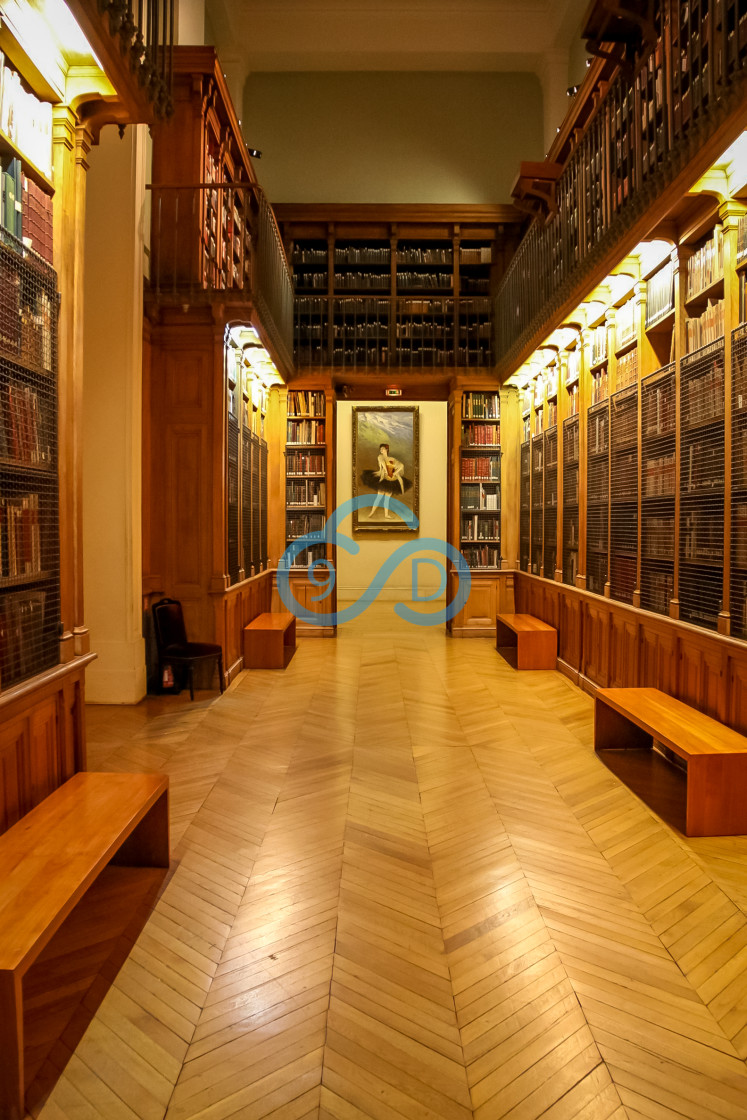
[404,886]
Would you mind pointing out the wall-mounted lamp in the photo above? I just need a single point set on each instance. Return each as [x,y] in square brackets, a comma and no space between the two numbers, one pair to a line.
[254,152]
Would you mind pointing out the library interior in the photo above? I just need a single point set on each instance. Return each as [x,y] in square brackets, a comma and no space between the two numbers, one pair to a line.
[373,559]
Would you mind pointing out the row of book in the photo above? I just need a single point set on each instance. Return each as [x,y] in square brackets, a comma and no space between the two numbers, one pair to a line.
[304,462]
[624,422]
[481,466]
[299,524]
[570,443]
[657,536]
[481,406]
[702,466]
[659,478]
[657,404]
[21,635]
[706,265]
[362,329]
[477,497]
[570,490]
[353,254]
[660,294]
[485,557]
[309,492]
[430,331]
[599,344]
[573,400]
[309,256]
[627,369]
[596,433]
[625,327]
[26,121]
[704,400]
[739,535]
[24,432]
[481,255]
[423,280]
[479,527]
[657,589]
[708,327]
[304,402]
[702,536]
[416,255]
[481,435]
[306,431]
[599,386]
[21,536]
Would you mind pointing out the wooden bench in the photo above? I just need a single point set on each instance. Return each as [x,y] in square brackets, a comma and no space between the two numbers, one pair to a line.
[535,642]
[270,641]
[716,756]
[76,873]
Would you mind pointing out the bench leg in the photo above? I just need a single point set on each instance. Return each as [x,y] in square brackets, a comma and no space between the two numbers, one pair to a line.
[614,732]
[716,795]
[11,1047]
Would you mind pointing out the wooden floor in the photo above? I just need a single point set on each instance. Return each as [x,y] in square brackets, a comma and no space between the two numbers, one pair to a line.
[404,886]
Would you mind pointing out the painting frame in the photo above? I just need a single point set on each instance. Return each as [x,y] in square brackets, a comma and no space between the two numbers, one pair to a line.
[398,427]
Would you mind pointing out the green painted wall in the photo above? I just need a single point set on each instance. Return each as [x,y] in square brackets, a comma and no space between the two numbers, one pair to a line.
[384,137]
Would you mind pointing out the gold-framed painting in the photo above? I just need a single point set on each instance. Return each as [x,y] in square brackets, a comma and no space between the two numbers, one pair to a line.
[386,461]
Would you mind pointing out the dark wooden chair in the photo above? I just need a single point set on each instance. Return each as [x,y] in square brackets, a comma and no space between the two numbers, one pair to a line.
[173,647]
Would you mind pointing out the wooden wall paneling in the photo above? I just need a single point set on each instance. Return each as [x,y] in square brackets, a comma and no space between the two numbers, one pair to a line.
[623,646]
[569,630]
[702,674]
[13,750]
[42,762]
[736,715]
[657,660]
[595,664]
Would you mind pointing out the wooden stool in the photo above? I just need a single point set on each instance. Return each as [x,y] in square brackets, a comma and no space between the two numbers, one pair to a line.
[270,641]
[536,643]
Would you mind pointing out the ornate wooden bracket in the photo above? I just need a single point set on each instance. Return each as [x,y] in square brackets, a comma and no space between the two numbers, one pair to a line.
[619,30]
[534,190]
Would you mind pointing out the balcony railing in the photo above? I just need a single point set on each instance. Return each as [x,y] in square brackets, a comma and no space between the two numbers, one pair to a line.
[645,130]
[222,237]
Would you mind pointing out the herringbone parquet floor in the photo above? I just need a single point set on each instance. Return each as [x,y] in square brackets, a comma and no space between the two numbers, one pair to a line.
[404,887]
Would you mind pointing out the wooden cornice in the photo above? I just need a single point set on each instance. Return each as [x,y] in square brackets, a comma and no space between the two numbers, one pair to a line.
[134,105]
[406,213]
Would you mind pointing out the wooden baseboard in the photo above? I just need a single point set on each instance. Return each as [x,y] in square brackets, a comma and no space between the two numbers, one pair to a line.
[568,671]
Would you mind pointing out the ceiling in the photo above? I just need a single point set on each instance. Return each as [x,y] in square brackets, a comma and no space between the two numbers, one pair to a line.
[508,35]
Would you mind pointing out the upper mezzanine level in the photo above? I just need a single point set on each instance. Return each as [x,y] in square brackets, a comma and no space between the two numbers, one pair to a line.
[660,103]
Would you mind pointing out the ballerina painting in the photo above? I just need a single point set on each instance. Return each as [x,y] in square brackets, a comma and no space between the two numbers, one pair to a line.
[385,463]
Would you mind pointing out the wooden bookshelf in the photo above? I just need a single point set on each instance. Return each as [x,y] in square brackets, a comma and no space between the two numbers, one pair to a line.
[406,288]
[480,480]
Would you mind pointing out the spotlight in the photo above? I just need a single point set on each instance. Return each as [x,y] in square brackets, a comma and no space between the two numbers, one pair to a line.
[254,152]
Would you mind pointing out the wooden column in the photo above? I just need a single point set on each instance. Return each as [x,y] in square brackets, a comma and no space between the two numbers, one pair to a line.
[584,394]
[729,214]
[680,349]
[71,144]
[561,411]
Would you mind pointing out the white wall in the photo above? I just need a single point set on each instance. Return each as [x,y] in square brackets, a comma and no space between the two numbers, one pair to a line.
[378,137]
[356,573]
[112,411]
